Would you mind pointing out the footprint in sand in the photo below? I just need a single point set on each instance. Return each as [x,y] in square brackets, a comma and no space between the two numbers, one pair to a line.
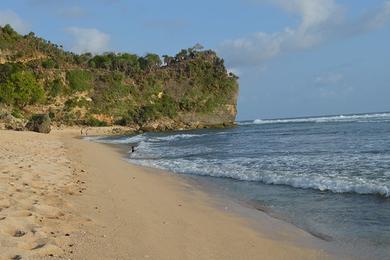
[19,233]
[4,203]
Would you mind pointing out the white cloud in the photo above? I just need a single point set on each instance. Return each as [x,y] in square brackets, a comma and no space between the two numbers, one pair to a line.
[88,40]
[330,78]
[313,12]
[379,18]
[320,21]
[10,17]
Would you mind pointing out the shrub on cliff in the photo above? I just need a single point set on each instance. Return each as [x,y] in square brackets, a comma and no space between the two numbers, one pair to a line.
[79,80]
[21,89]
[56,88]
[49,64]
[8,36]
[95,122]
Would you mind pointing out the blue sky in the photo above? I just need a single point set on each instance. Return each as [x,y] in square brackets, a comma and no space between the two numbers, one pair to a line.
[294,57]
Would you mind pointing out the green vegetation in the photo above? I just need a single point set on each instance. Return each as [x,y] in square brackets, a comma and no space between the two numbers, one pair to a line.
[121,88]
[49,64]
[21,89]
[56,88]
[95,122]
[79,80]
[8,36]
[17,113]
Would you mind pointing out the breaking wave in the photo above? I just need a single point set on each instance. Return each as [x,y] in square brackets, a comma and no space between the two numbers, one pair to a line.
[139,138]
[324,119]
[233,170]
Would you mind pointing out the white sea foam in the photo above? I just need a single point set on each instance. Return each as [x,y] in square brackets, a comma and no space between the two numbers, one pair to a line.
[178,137]
[325,119]
[323,183]
[92,138]
[232,169]
[122,140]
[140,138]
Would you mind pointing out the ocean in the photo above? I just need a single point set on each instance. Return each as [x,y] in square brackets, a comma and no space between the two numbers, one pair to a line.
[328,175]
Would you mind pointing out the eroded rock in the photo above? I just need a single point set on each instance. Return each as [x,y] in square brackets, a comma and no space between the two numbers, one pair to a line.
[39,123]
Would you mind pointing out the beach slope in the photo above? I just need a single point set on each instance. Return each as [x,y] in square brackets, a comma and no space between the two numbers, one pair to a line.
[65,197]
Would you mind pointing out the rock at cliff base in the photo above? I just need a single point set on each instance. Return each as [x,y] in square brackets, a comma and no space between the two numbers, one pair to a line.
[10,122]
[39,123]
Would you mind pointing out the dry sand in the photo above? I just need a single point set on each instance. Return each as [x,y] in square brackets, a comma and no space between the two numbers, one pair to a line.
[35,179]
[62,197]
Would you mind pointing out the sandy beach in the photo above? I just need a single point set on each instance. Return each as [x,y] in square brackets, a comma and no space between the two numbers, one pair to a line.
[66,198]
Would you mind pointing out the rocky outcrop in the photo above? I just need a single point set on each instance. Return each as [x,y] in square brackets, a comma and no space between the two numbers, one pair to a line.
[185,121]
[10,122]
[39,123]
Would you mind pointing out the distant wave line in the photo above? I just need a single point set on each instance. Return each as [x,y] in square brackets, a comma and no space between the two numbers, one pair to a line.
[322,119]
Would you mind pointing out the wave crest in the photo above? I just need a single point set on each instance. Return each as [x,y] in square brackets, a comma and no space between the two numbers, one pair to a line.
[178,137]
[324,119]
[238,172]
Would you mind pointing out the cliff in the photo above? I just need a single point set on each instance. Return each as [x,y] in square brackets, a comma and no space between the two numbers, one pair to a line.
[189,90]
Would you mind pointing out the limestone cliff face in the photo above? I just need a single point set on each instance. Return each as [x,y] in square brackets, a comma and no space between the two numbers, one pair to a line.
[222,116]
[218,119]
[189,90]
[225,115]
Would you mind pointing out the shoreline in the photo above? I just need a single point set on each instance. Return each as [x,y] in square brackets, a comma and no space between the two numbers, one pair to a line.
[229,203]
[221,201]
[243,208]
[124,211]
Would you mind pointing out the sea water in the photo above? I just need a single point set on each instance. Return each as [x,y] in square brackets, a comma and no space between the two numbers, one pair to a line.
[328,175]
